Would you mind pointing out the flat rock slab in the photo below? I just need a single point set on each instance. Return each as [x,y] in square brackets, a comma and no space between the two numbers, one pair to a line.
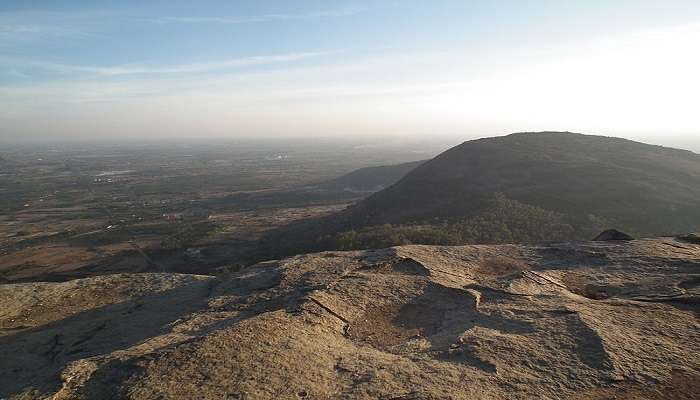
[578,320]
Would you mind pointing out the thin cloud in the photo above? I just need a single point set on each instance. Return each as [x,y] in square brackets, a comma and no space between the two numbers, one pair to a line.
[344,12]
[133,69]
[22,33]
[20,28]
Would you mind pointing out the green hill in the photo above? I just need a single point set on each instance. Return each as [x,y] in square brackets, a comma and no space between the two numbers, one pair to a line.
[636,186]
[521,187]
[371,179]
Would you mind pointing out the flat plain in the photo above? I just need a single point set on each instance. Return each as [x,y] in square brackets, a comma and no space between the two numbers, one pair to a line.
[84,210]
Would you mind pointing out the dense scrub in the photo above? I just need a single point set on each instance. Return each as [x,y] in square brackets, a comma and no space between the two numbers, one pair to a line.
[501,220]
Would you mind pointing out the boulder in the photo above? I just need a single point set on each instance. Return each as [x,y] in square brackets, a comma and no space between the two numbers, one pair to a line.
[612,235]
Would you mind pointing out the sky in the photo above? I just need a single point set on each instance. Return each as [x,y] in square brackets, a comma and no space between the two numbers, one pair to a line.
[94,69]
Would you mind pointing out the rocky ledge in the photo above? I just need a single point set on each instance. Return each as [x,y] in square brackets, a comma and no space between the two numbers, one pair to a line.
[585,320]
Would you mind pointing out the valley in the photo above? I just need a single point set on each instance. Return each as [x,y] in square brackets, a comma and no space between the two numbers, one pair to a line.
[195,207]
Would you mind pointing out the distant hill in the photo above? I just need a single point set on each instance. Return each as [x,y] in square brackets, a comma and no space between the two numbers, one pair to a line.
[630,183]
[370,179]
[534,186]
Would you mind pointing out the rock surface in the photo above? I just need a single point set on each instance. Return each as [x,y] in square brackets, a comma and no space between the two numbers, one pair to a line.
[588,320]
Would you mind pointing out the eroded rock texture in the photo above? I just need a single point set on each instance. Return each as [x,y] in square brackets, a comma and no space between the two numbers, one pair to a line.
[591,320]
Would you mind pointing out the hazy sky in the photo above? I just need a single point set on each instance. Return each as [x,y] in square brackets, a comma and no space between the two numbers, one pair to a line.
[148,69]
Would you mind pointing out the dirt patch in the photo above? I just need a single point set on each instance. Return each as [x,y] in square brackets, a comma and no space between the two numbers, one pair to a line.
[500,266]
[382,327]
[433,311]
[406,266]
[583,286]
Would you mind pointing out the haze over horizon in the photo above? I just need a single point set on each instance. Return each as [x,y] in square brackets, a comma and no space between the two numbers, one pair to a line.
[366,69]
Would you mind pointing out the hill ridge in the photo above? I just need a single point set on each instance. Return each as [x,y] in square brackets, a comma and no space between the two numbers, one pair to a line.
[526,166]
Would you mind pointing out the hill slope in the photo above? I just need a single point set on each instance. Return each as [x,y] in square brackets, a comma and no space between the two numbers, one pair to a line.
[587,180]
[591,320]
[371,179]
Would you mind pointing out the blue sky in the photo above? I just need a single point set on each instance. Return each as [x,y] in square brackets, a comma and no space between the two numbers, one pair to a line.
[320,68]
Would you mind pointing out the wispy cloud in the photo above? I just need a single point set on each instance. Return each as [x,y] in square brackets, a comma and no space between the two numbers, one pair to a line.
[13,34]
[343,12]
[141,69]
[20,28]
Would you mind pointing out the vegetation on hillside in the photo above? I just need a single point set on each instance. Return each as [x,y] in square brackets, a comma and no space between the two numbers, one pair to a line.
[525,187]
[498,220]
[370,179]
